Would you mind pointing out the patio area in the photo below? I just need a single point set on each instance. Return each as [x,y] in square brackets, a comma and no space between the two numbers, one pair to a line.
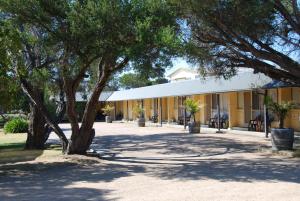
[158,163]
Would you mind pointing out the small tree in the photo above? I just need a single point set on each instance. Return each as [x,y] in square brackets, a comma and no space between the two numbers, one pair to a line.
[281,110]
[192,106]
[107,109]
[138,111]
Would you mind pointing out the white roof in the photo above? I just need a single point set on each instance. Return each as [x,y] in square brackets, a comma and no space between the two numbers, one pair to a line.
[241,82]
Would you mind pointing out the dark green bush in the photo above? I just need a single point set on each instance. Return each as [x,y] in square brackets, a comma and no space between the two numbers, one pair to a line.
[16,125]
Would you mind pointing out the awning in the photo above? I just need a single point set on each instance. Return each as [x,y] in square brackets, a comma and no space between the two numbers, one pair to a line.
[241,82]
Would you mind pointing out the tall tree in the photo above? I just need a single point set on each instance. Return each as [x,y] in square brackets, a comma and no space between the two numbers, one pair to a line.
[26,63]
[135,80]
[102,33]
[263,35]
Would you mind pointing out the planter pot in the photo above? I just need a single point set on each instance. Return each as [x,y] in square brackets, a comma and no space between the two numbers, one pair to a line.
[108,119]
[282,139]
[141,122]
[194,127]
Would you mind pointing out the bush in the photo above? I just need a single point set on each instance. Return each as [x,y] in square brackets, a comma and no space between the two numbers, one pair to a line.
[16,125]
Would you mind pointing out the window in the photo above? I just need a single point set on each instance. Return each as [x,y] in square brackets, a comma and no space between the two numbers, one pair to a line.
[240,100]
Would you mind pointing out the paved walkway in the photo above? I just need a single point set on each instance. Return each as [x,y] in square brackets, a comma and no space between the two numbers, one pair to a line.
[164,164]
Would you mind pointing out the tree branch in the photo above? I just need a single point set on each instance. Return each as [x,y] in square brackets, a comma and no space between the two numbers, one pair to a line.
[286,15]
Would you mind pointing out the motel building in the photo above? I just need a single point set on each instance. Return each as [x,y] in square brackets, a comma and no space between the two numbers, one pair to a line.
[239,99]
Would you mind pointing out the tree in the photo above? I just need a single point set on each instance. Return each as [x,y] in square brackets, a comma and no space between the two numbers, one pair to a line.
[281,110]
[11,95]
[192,106]
[135,80]
[96,34]
[259,34]
[25,63]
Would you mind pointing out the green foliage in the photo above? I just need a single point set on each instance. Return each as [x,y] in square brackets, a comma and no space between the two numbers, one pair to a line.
[133,80]
[107,109]
[192,106]
[80,106]
[16,125]
[281,110]
[138,111]
[89,40]
[223,35]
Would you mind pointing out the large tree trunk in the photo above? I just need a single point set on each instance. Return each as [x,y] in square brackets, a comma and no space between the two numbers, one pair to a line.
[36,100]
[81,142]
[39,130]
[36,132]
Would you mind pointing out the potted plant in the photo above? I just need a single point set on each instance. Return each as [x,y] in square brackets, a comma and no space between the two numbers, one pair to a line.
[193,107]
[139,112]
[107,111]
[282,138]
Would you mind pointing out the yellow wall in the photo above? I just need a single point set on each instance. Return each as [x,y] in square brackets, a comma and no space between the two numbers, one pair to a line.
[236,115]
[293,121]
[147,108]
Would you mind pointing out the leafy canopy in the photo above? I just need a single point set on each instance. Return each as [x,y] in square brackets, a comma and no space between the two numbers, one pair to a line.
[192,106]
[224,35]
[281,110]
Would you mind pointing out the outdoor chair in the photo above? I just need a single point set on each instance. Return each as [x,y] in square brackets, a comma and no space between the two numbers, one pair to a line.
[181,119]
[213,122]
[256,124]
[154,118]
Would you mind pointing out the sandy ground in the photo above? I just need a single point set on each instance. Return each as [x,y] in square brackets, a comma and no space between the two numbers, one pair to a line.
[153,163]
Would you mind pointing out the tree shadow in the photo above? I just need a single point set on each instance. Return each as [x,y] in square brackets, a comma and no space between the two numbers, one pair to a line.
[174,143]
[197,157]
[52,181]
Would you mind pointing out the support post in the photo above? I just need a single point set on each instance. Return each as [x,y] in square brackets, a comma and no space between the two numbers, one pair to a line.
[160,102]
[127,112]
[184,116]
[115,105]
[219,114]
[266,116]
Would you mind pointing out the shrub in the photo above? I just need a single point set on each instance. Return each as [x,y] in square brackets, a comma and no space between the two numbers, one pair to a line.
[281,110]
[16,125]
[107,109]
[138,111]
[192,106]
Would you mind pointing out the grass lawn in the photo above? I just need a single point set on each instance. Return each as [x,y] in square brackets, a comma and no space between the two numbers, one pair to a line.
[12,149]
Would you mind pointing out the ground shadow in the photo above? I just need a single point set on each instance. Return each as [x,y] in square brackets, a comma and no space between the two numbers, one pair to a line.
[51,181]
[165,156]
[192,157]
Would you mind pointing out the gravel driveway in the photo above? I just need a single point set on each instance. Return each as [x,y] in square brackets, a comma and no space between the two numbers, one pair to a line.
[154,163]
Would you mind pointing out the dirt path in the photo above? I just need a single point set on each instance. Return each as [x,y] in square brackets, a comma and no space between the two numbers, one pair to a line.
[153,163]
